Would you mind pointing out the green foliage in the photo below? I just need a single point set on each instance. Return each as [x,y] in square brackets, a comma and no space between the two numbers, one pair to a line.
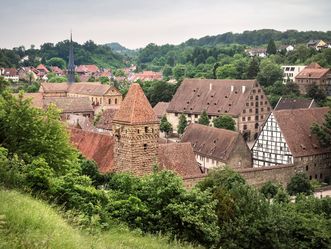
[225,122]
[253,68]
[316,93]
[4,84]
[57,79]
[299,184]
[271,49]
[56,61]
[181,124]
[269,189]
[179,72]
[158,91]
[104,80]
[323,132]
[165,125]
[269,73]
[203,119]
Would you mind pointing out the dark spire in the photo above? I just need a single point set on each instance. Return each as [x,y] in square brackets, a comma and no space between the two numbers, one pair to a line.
[71,64]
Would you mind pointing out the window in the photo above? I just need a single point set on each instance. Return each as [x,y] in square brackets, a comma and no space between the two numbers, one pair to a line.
[244,111]
[256,97]
[243,119]
[262,96]
[245,127]
[145,147]
[115,101]
[109,101]
[307,168]
[251,97]
[146,129]
[249,118]
[247,104]
[256,125]
[138,131]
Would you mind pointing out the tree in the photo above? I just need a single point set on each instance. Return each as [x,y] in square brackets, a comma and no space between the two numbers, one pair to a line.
[167,71]
[104,80]
[203,119]
[323,132]
[56,61]
[269,73]
[182,124]
[299,184]
[271,49]
[269,189]
[227,71]
[316,93]
[3,84]
[253,69]
[179,72]
[165,125]
[225,122]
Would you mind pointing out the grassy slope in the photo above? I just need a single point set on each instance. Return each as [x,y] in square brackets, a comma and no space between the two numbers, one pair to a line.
[31,224]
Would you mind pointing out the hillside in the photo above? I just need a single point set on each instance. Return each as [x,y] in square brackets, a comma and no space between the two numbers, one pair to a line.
[29,223]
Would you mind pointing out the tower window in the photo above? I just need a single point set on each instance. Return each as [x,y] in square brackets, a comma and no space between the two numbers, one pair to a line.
[146,129]
[145,147]
[138,131]
[115,101]
[109,101]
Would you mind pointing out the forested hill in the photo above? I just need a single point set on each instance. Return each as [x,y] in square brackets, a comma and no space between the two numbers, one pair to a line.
[87,53]
[260,37]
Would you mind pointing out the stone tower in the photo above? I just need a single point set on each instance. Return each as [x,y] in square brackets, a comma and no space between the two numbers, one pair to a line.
[136,132]
[71,64]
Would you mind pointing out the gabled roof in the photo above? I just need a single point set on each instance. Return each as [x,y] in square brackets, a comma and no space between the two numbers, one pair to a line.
[285,103]
[180,158]
[70,104]
[313,71]
[96,146]
[57,70]
[37,99]
[41,67]
[10,72]
[54,87]
[213,96]
[135,108]
[89,88]
[87,69]
[160,109]
[295,126]
[211,142]
[106,119]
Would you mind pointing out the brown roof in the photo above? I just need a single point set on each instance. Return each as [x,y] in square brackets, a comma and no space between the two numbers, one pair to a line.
[160,109]
[178,157]
[36,99]
[295,126]
[10,72]
[285,103]
[96,146]
[41,67]
[54,87]
[314,71]
[135,108]
[70,104]
[87,69]
[214,96]
[211,142]
[89,88]
[106,119]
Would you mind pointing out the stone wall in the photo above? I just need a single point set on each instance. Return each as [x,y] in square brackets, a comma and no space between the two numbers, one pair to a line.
[135,148]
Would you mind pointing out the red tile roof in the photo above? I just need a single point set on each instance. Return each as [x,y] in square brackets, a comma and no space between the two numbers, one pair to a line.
[10,72]
[54,87]
[57,70]
[160,109]
[211,142]
[96,146]
[213,96]
[296,129]
[178,157]
[313,71]
[106,119]
[41,67]
[89,88]
[285,103]
[135,108]
[37,100]
[70,104]
[87,69]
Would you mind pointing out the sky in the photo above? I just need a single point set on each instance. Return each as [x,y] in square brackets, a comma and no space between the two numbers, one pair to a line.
[136,23]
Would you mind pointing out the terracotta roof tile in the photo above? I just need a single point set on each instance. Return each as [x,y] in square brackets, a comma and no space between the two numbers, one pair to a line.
[178,157]
[70,104]
[160,109]
[89,88]
[106,119]
[214,96]
[87,69]
[285,103]
[41,67]
[54,87]
[313,71]
[96,146]
[36,99]
[10,72]
[135,108]
[211,142]
[295,126]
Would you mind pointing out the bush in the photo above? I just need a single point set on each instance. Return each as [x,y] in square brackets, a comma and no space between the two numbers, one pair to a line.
[299,184]
[269,189]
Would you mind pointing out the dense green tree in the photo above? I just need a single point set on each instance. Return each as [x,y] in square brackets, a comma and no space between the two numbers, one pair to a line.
[299,184]
[57,79]
[165,125]
[225,122]
[228,71]
[269,73]
[181,124]
[167,71]
[253,68]
[323,132]
[271,49]
[179,72]
[104,80]
[4,84]
[56,61]
[269,189]
[316,93]
[203,119]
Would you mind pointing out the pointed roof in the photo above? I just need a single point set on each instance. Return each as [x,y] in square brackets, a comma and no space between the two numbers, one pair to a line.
[135,108]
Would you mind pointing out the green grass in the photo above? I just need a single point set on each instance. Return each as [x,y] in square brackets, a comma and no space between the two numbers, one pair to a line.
[27,223]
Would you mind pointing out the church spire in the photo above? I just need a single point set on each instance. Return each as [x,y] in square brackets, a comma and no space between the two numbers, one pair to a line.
[71,65]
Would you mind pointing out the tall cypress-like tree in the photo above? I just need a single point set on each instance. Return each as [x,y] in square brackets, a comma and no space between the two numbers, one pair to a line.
[182,124]
[271,49]
[253,69]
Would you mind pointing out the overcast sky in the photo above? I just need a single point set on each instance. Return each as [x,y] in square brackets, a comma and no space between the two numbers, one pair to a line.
[135,23]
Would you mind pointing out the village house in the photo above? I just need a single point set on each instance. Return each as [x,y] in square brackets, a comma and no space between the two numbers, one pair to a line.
[243,100]
[87,70]
[286,138]
[100,95]
[287,103]
[286,48]
[134,146]
[42,71]
[28,74]
[214,147]
[58,71]
[290,72]
[314,74]
[317,44]
[145,76]
[259,52]
[104,122]
[9,74]
[160,109]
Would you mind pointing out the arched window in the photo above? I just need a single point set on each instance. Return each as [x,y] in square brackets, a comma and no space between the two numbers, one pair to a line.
[115,101]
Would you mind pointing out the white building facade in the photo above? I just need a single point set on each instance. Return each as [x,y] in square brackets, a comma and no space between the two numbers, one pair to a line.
[290,72]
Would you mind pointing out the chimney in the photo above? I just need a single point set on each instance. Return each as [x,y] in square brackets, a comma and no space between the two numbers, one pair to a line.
[243,88]
[232,88]
[210,86]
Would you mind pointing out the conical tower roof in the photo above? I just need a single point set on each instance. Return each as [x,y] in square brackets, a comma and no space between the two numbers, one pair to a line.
[135,108]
